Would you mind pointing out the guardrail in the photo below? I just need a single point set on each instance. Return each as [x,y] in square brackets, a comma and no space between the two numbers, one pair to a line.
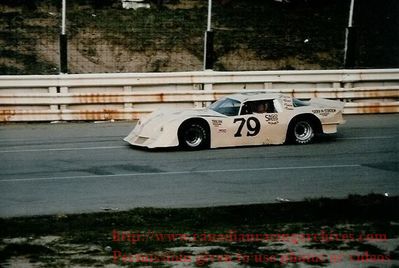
[128,96]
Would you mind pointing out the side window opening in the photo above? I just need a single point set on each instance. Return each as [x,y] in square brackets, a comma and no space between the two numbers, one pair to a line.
[246,109]
[270,107]
[258,107]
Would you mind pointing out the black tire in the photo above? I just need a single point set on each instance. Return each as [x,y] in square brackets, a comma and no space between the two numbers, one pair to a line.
[193,136]
[301,131]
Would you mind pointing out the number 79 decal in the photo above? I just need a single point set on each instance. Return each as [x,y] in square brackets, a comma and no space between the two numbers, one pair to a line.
[253,128]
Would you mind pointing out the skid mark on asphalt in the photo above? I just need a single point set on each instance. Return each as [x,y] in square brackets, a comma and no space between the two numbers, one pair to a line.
[178,173]
[63,149]
[387,166]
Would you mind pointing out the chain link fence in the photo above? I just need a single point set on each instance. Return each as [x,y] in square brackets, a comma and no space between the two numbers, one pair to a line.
[103,36]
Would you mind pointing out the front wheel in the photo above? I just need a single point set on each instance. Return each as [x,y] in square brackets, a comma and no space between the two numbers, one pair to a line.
[193,136]
[302,132]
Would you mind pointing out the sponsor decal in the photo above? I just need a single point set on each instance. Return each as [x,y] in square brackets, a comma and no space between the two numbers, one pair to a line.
[287,102]
[217,123]
[324,112]
[271,119]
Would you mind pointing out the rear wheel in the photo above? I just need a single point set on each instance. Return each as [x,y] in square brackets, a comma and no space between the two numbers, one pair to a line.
[302,131]
[193,136]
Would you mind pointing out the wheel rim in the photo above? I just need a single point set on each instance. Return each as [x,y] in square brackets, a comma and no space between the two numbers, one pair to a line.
[193,137]
[303,131]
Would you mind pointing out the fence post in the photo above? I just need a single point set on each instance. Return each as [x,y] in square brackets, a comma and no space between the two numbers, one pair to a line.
[63,53]
[63,42]
[208,57]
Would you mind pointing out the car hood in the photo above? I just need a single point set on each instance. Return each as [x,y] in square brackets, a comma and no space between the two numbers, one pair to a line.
[169,114]
[160,117]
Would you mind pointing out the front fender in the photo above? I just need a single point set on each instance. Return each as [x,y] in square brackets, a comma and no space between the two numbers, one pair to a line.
[164,135]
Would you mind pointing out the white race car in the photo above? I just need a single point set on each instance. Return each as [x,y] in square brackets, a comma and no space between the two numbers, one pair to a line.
[253,118]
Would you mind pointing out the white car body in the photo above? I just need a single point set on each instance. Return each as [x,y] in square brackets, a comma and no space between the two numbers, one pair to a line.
[239,125]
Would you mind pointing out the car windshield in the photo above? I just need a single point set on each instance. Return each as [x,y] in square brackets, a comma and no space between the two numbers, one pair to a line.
[226,106]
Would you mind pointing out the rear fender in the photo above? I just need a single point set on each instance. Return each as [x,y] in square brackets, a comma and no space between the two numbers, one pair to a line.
[309,117]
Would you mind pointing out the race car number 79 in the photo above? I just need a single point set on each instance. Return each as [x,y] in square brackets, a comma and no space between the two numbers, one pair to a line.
[252,130]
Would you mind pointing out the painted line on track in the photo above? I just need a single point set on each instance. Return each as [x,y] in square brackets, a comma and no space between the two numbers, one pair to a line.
[368,138]
[166,173]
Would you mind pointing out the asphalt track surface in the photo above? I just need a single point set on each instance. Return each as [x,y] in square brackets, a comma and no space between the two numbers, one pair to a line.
[84,167]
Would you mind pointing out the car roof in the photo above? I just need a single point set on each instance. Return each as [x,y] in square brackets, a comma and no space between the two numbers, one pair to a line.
[255,96]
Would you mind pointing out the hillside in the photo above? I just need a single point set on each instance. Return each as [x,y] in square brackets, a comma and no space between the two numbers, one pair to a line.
[249,35]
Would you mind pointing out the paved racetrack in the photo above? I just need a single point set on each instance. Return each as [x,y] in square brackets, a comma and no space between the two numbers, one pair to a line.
[82,167]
